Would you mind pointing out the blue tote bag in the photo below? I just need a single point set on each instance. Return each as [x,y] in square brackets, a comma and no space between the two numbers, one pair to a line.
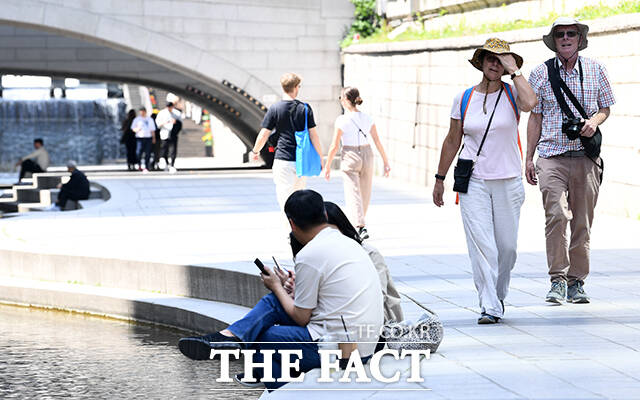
[307,159]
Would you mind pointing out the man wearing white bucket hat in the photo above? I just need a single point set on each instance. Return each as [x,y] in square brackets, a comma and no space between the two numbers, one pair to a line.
[574,95]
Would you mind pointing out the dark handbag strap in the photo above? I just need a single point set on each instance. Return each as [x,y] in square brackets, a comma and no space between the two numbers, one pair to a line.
[489,123]
[359,130]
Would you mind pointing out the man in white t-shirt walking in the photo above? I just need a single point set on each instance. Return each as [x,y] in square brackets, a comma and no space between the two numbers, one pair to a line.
[167,120]
[334,280]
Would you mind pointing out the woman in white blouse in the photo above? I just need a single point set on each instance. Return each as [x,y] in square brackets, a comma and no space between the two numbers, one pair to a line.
[487,116]
[355,129]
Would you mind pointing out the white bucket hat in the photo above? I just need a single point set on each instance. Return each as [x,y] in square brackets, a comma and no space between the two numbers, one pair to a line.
[564,21]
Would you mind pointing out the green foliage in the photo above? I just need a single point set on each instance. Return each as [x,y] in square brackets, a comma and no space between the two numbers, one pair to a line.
[365,23]
[463,29]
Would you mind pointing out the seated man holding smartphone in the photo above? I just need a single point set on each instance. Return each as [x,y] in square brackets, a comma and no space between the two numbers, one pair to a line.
[334,280]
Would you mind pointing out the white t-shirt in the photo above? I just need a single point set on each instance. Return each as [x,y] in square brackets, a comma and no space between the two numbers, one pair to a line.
[349,123]
[163,121]
[146,126]
[500,156]
[335,277]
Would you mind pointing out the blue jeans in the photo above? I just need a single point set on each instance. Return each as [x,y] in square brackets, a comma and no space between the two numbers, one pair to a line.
[268,322]
[143,145]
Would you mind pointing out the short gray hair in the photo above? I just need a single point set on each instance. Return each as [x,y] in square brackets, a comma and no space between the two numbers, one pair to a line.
[72,164]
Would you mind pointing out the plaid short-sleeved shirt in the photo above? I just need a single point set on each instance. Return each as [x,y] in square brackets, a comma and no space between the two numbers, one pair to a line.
[594,94]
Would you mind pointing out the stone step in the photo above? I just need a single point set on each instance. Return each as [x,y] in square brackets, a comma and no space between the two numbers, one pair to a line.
[190,142]
[236,283]
[196,315]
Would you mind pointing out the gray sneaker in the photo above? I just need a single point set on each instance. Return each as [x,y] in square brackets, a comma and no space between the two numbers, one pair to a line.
[576,294]
[558,292]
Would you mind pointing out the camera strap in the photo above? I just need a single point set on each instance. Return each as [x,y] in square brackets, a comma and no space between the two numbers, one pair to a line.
[558,85]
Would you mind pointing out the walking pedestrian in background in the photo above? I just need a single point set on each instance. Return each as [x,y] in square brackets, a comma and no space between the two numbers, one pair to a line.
[129,140]
[355,129]
[285,118]
[144,128]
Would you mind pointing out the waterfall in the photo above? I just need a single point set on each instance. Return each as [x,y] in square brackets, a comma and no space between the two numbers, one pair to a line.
[87,131]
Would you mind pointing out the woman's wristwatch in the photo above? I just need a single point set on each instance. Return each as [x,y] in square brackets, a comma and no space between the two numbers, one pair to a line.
[440,177]
[516,73]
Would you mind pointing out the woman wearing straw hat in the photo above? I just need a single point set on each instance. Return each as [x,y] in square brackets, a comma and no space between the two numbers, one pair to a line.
[487,116]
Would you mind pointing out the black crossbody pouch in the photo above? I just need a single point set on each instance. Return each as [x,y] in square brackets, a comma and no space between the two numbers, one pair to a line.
[464,167]
[462,175]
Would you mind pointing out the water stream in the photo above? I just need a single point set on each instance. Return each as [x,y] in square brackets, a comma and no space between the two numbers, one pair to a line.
[51,354]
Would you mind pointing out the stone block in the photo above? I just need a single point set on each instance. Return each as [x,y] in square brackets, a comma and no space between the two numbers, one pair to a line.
[298,60]
[20,42]
[204,26]
[404,74]
[190,9]
[166,24]
[337,26]
[114,7]
[68,42]
[74,20]
[174,50]
[268,12]
[7,54]
[311,43]
[315,29]
[115,31]
[25,12]
[336,9]
[8,30]
[265,30]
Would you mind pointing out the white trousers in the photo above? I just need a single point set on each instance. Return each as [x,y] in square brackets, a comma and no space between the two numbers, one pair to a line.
[490,215]
[286,180]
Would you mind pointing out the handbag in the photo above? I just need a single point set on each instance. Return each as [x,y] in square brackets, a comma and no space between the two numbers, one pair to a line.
[308,161]
[425,333]
[464,167]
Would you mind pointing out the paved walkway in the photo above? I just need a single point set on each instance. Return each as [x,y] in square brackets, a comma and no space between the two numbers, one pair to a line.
[538,351]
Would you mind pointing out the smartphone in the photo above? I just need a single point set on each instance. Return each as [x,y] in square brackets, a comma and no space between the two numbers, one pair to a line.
[278,266]
[260,266]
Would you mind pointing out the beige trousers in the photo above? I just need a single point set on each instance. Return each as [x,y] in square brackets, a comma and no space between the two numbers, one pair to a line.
[286,180]
[569,187]
[357,166]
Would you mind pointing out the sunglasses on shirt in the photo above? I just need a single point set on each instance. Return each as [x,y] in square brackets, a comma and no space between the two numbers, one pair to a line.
[560,35]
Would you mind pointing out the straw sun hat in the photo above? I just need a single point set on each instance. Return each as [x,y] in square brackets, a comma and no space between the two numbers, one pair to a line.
[495,46]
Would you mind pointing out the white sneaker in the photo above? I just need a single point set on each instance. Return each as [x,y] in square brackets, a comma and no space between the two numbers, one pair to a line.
[172,170]
[145,171]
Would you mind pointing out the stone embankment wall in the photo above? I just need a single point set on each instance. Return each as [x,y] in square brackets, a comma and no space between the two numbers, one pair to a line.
[408,88]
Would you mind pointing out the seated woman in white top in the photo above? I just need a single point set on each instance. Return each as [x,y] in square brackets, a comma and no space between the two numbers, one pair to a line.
[355,128]
[491,206]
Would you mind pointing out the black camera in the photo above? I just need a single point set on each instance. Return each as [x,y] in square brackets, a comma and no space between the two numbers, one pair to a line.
[572,127]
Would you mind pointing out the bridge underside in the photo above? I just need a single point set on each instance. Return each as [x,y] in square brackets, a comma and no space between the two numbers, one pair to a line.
[30,51]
